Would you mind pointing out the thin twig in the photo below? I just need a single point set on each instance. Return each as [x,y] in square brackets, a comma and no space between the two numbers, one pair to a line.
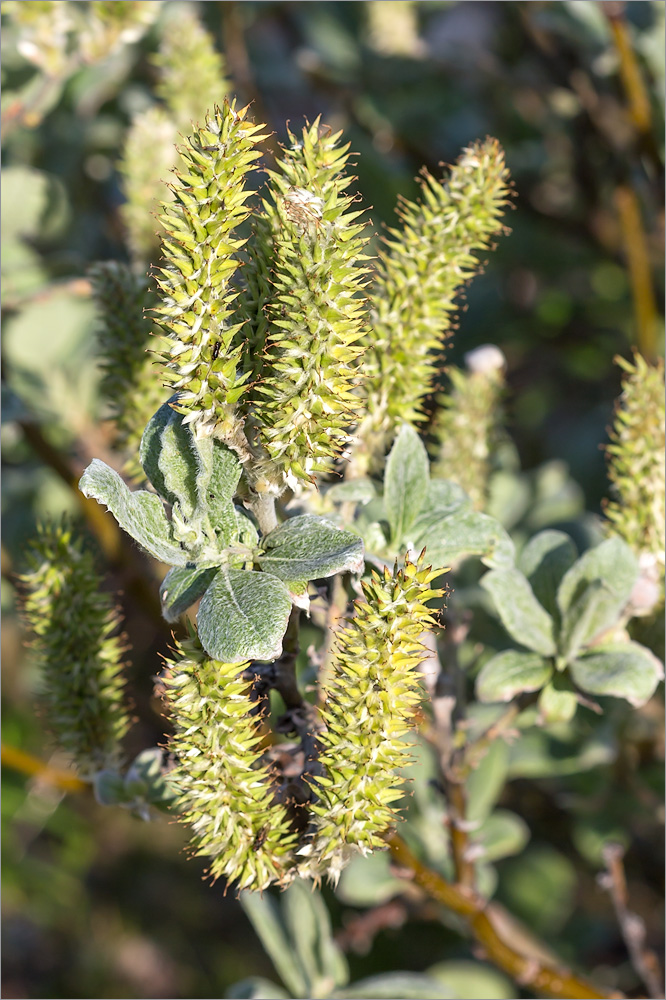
[640,273]
[26,763]
[529,972]
[644,960]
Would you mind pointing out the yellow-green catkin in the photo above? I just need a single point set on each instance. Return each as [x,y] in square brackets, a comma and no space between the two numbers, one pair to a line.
[636,464]
[200,249]
[369,710]
[192,73]
[422,267]
[191,81]
[466,423]
[130,382]
[224,792]
[305,396]
[79,648]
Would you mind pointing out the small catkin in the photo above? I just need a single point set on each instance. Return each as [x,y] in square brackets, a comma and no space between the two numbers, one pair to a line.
[224,793]
[369,711]
[79,648]
[422,267]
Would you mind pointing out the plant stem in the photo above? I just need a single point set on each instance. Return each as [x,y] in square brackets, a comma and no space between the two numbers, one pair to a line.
[26,763]
[644,960]
[548,980]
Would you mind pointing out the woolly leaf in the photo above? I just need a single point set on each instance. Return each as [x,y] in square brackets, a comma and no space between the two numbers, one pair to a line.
[140,514]
[308,547]
[557,704]
[511,673]
[168,459]
[263,913]
[444,497]
[181,587]
[584,619]
[615,565]
[544,561]
[405,481]
[243,616]
[257,988]
[218,476]
[521,614]
[623,670]
[360,490]
[408,985]
[461,533]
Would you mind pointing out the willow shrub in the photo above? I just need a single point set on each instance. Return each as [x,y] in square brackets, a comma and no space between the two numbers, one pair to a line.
[287,473]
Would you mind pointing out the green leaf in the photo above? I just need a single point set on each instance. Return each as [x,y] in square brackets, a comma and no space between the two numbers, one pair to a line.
[181,587]
[523,617]
[263,914]
[581,621]
[615,565]
[308,547]
[140,514]
[544,561]
[485,783]
[502,834]
[465,533]
[444,497]
[309,925]
[218,474]
[510,673]
[622,670]
[257,988]
[352,491]
[405,481]
[109,788]
[167,457]
[243,616]
[406,985]
[557,704]
[368,881]
[473,980]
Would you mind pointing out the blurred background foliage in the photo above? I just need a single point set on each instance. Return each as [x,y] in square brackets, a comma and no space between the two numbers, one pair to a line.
[99,904]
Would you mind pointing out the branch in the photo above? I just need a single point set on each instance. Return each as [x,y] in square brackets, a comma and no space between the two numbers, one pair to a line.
[642,958]
[640,275]
[25,763]
[527,972]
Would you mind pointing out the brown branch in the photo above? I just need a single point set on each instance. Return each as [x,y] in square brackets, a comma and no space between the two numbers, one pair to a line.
[549,980]
[630,73]
[25,763]
[644,961]
[640,276]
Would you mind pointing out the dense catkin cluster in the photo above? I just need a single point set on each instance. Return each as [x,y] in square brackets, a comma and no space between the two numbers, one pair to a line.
[129,382]
[200,251]
[369,710]
[305,397]
[421,269]
[79,649]
[636,464]
[224,793]
[466,423]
